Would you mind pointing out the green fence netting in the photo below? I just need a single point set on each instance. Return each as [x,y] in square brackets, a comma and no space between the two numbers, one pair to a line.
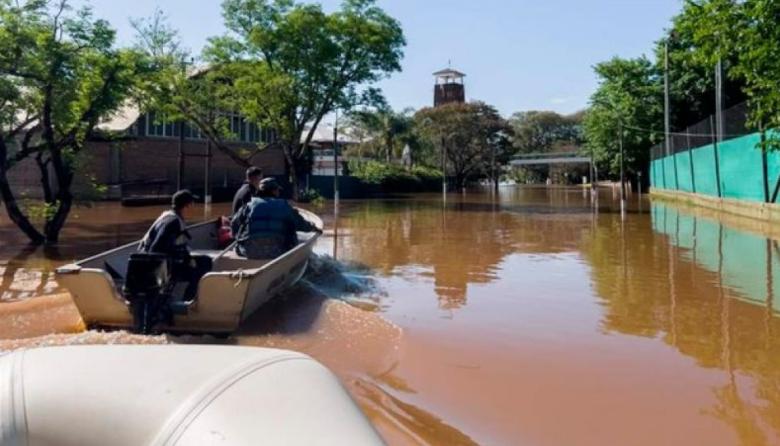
[738,172]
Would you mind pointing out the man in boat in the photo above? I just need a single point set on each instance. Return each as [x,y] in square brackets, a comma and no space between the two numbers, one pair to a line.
[266,227]
[168,236]
[248,190]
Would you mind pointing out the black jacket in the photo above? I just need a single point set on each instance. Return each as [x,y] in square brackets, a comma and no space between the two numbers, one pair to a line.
[243,196]
[168,236]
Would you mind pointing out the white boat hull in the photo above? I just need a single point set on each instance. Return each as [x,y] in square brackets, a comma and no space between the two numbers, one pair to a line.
[234,289]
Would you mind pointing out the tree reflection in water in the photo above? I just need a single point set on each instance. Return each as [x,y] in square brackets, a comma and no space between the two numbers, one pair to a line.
[701,287]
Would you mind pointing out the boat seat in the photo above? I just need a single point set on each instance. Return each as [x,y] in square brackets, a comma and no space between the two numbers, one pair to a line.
[213,253]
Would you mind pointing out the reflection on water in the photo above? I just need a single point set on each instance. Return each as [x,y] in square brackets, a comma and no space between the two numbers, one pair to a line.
[518,318]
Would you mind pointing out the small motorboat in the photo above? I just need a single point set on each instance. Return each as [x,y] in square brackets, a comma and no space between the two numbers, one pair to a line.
[116,289]
[166,395]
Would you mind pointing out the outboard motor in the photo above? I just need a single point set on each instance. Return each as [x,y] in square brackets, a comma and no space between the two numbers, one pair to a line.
[148,289]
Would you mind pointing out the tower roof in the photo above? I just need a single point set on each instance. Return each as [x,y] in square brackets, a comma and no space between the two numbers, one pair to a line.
[449,73]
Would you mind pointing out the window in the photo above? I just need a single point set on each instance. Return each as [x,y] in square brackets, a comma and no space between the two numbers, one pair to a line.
[240,129]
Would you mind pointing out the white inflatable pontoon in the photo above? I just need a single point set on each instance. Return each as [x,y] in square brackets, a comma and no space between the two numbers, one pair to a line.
[174,395]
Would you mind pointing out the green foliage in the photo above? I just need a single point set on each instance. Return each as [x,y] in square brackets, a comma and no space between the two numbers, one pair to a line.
[60,75]
[746,35]
[289,64]
[311,196]
[629,99]
[395,178]
[545,131]
[474,136]
[388,130]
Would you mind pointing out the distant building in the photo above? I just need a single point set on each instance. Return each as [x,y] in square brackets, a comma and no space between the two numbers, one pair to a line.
[322,149]
[142,158]
[449,87]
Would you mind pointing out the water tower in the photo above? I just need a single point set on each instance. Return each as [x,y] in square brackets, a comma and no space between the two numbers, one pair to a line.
[449,87]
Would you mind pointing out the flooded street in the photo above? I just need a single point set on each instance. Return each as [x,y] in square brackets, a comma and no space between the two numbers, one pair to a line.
[522,318]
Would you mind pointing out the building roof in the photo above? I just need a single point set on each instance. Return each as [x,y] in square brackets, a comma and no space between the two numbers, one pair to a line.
[324,134]
[449,73]
[121,120]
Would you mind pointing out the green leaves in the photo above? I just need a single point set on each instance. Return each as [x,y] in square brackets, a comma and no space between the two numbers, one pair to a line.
[300,63]
[472,135]
[60,75]
[629,96]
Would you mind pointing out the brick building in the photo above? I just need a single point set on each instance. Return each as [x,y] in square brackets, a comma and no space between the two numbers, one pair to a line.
[144,160]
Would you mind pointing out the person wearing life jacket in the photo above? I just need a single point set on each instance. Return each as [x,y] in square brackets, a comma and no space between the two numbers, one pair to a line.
[266,227]
[168,236]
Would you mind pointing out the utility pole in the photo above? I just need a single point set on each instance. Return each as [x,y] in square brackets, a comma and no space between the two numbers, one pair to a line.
[443,169]
[719,124]
[667,111]
[622,173]
[336,160]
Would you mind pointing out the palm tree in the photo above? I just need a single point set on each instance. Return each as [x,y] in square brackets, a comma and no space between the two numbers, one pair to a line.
[385,126]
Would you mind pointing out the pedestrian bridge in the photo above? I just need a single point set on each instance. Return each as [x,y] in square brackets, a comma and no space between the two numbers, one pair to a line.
[531,159]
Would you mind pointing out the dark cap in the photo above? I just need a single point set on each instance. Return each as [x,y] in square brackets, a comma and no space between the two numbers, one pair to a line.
[254,172]
[182,198]
[269,185]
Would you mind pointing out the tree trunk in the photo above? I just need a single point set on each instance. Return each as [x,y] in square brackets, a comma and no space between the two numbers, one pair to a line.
[43,166]
[55,224]
[12,208]
[64,198]
[389,149]
[16,215]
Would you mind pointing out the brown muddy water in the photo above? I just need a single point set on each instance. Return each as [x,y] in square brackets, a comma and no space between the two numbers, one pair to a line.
[522,318]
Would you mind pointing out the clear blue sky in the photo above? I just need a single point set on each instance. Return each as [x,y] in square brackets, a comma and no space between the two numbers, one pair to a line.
[517,54]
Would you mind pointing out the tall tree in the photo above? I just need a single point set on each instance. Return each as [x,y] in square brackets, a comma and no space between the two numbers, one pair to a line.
[545,131]
[290,64]
[60,74]
[474,137]
[746,34]
[182,92]
[387,127]
[629,98]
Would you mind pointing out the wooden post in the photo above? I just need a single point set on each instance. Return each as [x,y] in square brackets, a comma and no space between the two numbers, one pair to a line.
[180,172]
[207,175]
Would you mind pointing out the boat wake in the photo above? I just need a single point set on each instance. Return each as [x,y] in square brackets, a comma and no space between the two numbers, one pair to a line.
[349,282]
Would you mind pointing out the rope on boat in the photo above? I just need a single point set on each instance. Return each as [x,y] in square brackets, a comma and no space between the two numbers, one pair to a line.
[240,275]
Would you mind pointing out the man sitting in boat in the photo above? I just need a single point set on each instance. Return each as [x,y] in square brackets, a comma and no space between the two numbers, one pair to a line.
[248,190]
[168,236]
[266,227]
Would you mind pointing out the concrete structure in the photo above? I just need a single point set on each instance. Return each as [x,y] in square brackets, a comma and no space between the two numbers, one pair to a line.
[449,87]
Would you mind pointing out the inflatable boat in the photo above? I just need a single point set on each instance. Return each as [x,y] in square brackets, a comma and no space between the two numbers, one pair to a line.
[108,295]
[174,395]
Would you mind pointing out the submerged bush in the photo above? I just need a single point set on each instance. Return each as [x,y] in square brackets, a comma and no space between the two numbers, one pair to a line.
[395,178]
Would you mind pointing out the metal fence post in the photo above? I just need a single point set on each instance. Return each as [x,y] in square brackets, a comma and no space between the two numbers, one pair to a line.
[764,166]
[674,160]
[715,151]
[690,159]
